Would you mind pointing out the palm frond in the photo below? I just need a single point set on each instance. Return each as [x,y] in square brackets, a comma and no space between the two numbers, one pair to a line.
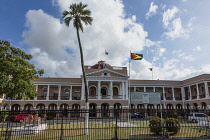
[85,12]
[67,21]
[87,20]
[65,13]
[79,14]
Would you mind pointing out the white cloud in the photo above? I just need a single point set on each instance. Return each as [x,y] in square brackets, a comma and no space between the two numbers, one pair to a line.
[152,10]
[191,21]
[174,25]
[55,47]
[169,15]
[53,67]
[175,30]
[161,51]
[189,58]
[197,48]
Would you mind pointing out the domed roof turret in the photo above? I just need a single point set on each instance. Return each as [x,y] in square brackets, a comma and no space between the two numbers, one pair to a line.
[101,65]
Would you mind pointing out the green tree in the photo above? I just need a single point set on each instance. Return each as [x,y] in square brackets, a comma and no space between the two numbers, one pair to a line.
[16,73]
[79,15]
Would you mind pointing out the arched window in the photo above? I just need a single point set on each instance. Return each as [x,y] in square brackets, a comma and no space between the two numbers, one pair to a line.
[76,110]
[204,105]
[132,106]
[140,106]
[64,106]
[28,107]
[179,107]
[169,106]
[52,107]
[195,91]
[92,91]
[104,90]
[66,89]
[202,90]
[92,111]
[195,106]
[40,107]
[66,93]
[115,91]
[105,110]
[15,107]
[75,106]
[117,106]
[44,90]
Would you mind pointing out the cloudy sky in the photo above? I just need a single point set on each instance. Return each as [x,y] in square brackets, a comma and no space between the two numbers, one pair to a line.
[172,35]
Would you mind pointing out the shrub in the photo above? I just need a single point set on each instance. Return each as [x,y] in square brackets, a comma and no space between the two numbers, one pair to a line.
[156,125]
[3,115]
[11,118]
[172,115]
[172,125]
[50,115]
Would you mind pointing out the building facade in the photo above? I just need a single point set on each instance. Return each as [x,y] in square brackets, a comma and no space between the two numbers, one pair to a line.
[109,88]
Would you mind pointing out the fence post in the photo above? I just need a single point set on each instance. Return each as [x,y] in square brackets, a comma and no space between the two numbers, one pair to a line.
[115,113]
[8,130]
[61,136]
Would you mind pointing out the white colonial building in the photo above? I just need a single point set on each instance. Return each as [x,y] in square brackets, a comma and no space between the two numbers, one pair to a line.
[109,88]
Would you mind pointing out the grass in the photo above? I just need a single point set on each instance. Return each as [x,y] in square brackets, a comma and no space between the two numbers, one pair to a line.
[75,131]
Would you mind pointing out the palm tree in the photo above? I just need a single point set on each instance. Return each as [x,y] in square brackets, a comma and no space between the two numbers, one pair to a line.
[79,15]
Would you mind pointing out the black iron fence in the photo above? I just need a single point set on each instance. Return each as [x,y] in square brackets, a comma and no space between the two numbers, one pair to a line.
[104,124]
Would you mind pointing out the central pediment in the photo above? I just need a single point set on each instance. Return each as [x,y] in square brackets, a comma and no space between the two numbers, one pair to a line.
[105,73]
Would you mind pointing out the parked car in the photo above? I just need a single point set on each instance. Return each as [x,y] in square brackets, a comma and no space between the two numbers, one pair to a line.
[21,117]
[137,115]
[195,117]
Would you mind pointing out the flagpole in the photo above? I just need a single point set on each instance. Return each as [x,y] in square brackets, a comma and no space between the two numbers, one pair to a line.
[152,73]
[105,56]
[129,80]
[129,113]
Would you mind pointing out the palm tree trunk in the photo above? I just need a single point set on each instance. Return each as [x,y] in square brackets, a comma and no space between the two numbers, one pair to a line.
[85,83]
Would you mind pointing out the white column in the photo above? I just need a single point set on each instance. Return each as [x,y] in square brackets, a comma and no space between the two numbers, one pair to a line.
[99,89]
[173,96]
[153,89]
[206,89]
[35,98]
[123,90]
[48,92]
[183,93]
[197,88]
[83,90]
[183,97]
[59,92]
[190,93]
[134,89]
[120,91]
[70,96]
[88,88]
[144,89]
[111,89]
[126,90]
[164,94]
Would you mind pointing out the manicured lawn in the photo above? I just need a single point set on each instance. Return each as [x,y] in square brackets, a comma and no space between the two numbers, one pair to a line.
[97,131]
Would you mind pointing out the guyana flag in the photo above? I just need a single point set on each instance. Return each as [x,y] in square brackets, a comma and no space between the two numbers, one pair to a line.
[135,56]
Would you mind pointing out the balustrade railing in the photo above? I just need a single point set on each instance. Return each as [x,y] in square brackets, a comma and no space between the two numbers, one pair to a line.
[117,96]
[93,96]
[105,96]
[169,98]
[202,96]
